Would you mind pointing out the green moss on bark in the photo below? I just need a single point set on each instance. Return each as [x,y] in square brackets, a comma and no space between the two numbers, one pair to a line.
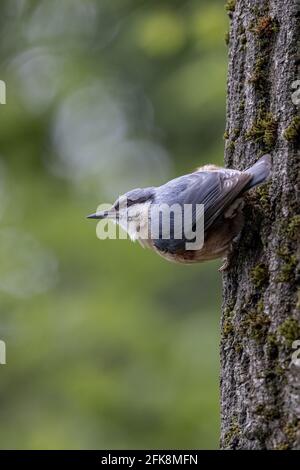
[230,7]
[259,275]
[289,330]
[293,227]
[287,273]
[233,434]
[264,131]
[292,132]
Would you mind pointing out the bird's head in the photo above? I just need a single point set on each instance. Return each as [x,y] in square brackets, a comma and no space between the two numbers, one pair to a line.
[130,211]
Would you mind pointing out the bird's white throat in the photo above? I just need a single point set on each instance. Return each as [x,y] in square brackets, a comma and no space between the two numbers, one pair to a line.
[135,221]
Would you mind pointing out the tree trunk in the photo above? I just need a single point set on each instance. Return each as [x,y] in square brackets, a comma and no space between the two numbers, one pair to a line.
[260,380]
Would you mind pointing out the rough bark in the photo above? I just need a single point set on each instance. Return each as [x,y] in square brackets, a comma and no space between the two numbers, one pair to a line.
[260,387]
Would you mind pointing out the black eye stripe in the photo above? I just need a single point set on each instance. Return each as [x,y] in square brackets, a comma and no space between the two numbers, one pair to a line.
[137,196]
[129,203]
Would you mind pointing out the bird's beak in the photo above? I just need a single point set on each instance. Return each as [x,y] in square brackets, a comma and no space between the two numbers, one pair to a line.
[103,215]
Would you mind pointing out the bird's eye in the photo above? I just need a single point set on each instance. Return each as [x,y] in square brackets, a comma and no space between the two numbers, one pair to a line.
[117,205]
[120,203]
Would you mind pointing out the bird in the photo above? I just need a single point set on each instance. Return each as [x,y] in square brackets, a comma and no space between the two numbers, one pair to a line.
[219,191]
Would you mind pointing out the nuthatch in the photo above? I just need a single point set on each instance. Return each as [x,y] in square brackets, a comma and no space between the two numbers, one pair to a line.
[219,190]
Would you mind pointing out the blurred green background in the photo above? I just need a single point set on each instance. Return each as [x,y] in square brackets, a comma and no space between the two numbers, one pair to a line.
[108,345]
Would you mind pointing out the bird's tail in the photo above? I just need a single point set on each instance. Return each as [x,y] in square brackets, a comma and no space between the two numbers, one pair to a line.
[260,171]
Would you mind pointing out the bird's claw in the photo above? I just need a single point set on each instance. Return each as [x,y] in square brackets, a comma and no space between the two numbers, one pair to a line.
[225,265]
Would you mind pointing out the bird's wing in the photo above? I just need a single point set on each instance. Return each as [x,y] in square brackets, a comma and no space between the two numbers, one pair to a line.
[228,186]
[216,190]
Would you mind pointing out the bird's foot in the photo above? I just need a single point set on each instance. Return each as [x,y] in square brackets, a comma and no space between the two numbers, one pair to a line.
[234,208]
[225,265]
[228,258]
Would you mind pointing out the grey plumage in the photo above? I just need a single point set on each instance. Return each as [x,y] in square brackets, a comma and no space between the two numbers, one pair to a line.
[217,189]
[220,190]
